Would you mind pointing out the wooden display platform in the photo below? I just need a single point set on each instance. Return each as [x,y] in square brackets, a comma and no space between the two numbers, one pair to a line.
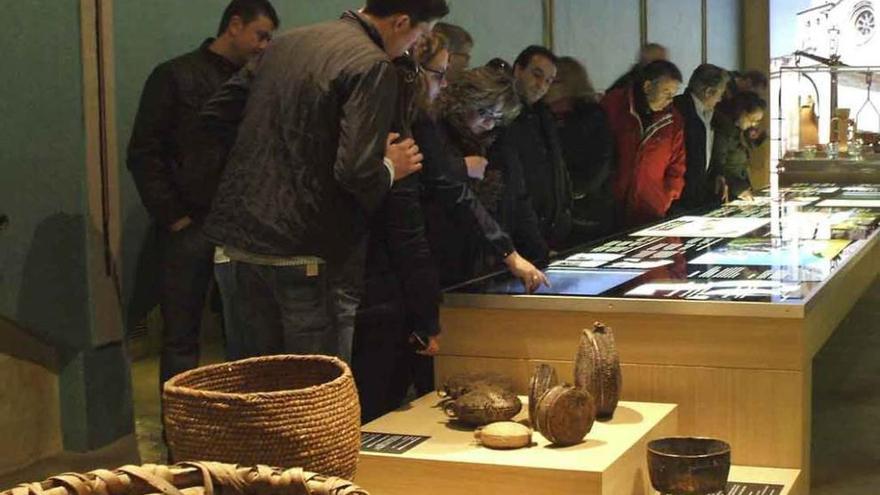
[611,461]
[739,371]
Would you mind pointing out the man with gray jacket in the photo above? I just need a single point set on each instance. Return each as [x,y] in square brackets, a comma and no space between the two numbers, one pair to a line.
[312,160]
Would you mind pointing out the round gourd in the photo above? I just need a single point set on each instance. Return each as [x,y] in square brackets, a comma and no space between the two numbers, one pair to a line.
[565,415]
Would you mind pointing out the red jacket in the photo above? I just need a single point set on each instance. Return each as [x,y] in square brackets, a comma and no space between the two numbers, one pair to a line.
[650,161]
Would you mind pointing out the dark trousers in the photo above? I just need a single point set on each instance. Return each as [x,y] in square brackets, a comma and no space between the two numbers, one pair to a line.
[380,341]
[187,268]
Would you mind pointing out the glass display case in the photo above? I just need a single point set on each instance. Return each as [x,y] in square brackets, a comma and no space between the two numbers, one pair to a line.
[739,252]
[825,122]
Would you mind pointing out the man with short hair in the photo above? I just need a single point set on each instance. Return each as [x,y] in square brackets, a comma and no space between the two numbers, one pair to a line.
[307,171]
[531,143]
[176,174]
[460,45]
[649,141]
[704,187]
[649,53]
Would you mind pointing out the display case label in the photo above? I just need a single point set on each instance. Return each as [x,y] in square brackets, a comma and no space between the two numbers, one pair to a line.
[389,443]
[737,488]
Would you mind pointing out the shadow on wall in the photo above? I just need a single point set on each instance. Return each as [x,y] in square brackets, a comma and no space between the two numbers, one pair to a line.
[140,258]
[53,295]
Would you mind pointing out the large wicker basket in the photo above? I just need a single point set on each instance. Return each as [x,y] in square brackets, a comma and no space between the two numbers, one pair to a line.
[197,478]
[277,410]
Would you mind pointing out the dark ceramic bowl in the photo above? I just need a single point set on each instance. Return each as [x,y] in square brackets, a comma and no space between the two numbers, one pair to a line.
[688,466]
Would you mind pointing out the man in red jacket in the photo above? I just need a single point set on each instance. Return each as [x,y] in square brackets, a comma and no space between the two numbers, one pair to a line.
[649,143]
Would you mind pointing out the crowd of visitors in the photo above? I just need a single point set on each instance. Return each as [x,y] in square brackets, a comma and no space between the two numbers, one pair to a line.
[337,178]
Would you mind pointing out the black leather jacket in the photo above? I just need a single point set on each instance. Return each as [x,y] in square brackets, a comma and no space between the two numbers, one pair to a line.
[531,144]
[460,228]
[175,166]
[306,169]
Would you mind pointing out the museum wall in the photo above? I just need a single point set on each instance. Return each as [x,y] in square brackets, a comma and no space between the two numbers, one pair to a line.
[48,291]
[41,252]
[605,35]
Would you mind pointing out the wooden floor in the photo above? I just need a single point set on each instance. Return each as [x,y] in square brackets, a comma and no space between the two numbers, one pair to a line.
[846,404]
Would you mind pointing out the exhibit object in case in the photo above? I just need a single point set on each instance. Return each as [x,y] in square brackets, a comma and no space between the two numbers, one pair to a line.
[840,140]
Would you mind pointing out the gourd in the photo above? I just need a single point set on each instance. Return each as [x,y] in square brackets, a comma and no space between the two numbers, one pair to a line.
[504,435]
[597,369]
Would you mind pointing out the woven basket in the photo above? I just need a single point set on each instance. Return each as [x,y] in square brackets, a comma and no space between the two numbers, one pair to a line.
[277,410]
[197,478]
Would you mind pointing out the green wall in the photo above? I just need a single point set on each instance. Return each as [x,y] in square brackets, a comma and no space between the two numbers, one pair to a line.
[500,28]
[42,261]
[45,286]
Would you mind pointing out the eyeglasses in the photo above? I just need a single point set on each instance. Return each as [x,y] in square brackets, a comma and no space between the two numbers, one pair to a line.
[487,114]
[440,75]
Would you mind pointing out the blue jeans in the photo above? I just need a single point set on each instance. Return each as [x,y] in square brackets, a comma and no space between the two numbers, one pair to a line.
[224,274]
[283,310]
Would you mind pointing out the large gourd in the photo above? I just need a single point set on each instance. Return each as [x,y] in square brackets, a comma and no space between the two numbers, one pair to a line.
[597,369]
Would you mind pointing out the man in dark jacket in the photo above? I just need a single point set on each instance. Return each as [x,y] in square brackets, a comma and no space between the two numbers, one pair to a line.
[532,142]
[176,171]
[704,186]
[307,170]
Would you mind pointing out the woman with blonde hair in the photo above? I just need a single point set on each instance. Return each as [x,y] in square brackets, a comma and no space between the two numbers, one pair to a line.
[587,146]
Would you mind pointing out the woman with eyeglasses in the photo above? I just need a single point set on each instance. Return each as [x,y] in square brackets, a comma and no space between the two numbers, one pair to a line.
[464,215]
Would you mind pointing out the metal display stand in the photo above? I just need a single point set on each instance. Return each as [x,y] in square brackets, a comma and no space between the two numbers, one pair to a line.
[853,158]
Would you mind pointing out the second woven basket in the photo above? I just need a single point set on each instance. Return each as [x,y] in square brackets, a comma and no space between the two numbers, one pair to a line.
[279,410]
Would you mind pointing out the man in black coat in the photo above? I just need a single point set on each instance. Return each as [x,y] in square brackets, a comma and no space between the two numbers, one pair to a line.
[176,169]
[308,169]
[704,187]
[531,144]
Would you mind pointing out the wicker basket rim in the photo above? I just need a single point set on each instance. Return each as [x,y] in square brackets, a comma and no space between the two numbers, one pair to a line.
[170,386]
